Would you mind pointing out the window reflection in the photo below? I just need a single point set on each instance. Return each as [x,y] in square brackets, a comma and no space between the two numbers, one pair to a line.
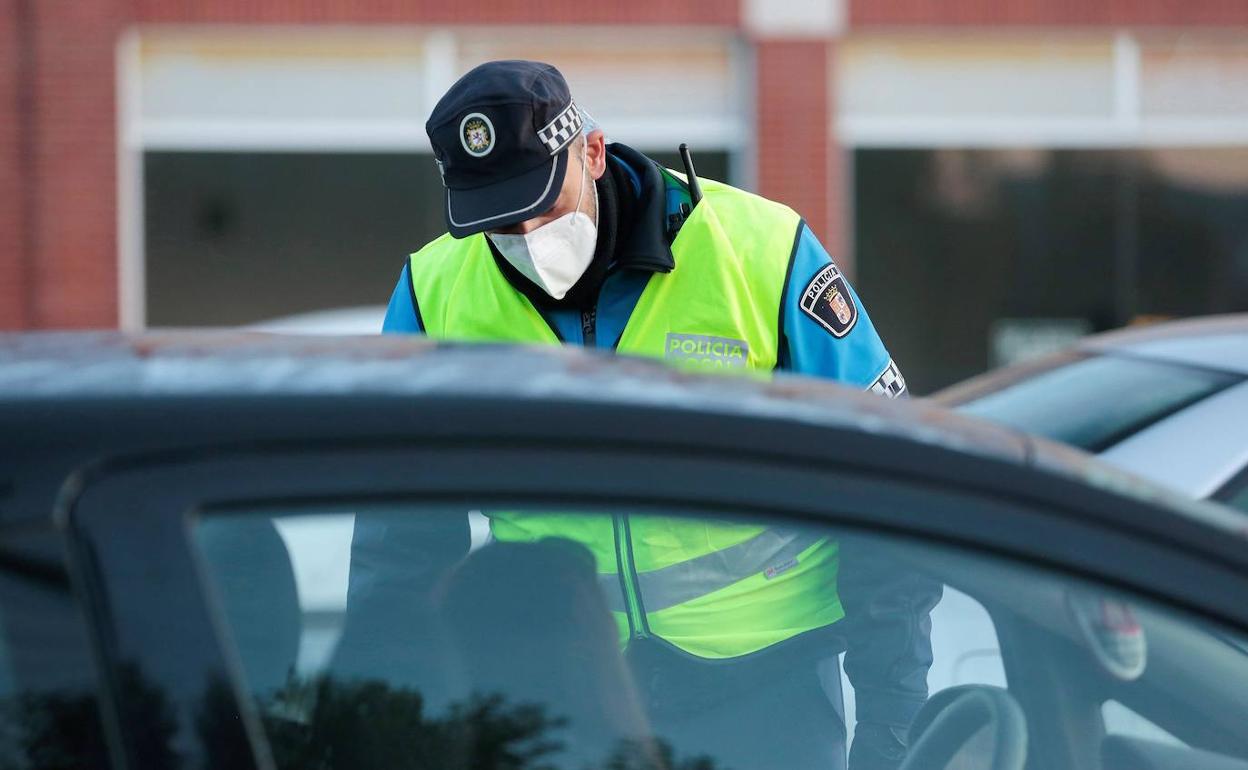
[950,243]
[512,654]
[49,715]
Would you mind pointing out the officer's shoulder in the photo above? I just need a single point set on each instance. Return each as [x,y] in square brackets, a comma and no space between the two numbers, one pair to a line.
[743,198]
[441,246]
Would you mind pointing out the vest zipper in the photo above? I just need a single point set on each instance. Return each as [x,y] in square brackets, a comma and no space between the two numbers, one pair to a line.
[589,327]
[637,626]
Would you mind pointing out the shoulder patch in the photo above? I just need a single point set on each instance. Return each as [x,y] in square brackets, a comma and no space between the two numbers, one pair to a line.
[827,300]
[890,383]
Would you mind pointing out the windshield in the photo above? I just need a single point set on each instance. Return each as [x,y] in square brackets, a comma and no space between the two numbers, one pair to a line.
[1094,403]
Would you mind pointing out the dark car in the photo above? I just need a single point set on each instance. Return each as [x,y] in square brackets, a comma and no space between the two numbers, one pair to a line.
[177,515]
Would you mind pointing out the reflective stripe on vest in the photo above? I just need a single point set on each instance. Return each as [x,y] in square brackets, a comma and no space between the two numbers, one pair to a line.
[713,589]
[769,553]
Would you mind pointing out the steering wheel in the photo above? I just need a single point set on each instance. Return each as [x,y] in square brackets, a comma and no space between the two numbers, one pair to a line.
[983,723]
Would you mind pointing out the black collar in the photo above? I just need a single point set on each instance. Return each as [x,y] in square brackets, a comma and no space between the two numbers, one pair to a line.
[648,246]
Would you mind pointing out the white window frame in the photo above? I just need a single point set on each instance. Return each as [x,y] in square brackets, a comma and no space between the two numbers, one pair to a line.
[1124,127]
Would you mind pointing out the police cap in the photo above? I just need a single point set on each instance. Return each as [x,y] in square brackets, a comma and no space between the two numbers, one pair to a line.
[499,137]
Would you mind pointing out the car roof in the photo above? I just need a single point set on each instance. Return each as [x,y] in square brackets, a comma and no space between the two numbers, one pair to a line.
[77,366]
[1212,342]
[90,394]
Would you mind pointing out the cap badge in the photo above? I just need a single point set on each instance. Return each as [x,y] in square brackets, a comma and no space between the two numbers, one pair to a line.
[476,133]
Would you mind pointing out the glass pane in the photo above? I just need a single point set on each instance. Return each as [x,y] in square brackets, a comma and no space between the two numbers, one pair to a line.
[239,237]
[1120,720]
[236,237]
[1096,402]
[49,714]
[954,247]
[707,164]
[1240,500]
[1239,497]
[398,634]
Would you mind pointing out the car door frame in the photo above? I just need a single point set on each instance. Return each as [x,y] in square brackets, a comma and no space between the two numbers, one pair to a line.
[120,513]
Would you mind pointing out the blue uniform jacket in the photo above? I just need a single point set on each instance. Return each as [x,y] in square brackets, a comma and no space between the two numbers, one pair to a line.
[887,634]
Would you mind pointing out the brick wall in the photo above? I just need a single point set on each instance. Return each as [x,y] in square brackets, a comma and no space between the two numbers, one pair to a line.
[58,225]
[838,239]
[719,12]
[13,292]
[794,158]
[76,266]
[864,13]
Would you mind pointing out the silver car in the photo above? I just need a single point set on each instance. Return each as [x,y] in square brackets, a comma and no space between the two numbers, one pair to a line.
[1166,402]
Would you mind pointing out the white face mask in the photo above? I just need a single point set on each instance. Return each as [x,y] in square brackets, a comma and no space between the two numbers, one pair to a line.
[557,254]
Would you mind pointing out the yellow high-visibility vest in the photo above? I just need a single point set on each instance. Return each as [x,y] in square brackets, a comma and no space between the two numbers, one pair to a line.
[713,589]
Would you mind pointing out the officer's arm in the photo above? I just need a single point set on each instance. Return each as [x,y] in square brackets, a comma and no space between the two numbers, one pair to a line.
[826,330]
[401,315]
[887,612]
[829,334]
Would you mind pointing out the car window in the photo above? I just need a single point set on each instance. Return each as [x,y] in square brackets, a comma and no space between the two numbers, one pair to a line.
[1235,494]
[319,549]
[965,650]
[1096,402]
[1239,500]
[49,709]
[965,647]
[389,633]
[1120,720]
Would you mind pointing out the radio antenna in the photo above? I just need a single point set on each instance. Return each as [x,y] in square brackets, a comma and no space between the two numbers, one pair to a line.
[695,190]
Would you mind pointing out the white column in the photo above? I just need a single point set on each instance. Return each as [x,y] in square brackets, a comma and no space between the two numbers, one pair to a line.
[1127,82]
[131,259]
[441,59]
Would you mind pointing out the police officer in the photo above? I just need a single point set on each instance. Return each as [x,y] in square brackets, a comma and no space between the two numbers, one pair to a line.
[556,236]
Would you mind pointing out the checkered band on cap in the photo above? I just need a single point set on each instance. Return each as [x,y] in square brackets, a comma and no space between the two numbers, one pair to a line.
[557,133]
[890,383]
